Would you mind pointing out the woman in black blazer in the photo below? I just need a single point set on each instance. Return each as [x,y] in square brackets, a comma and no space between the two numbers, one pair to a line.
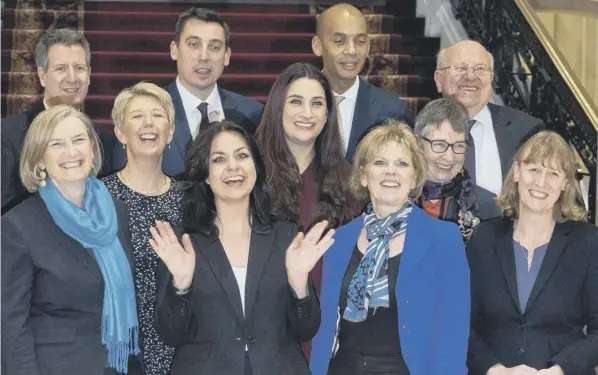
[232,298]
[68,300]
[534,273]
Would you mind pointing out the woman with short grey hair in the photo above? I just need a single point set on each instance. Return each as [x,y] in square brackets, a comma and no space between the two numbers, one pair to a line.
[449,193]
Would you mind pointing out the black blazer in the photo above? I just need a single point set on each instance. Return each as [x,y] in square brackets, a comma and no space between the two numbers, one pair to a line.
[512,128]
[563,300]
[14,129]
[52,296]
[207,325]
[372,107]
[244,111]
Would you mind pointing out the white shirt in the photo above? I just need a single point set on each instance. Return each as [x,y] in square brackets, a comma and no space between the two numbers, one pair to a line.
[241,276]
[190,103]
[488,170]
[346,110]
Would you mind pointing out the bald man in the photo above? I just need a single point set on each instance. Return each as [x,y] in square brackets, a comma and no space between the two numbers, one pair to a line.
[465,70]
[342,42]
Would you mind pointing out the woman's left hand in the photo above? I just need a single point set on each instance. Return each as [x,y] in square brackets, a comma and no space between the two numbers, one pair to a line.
[554,370]
[303,254]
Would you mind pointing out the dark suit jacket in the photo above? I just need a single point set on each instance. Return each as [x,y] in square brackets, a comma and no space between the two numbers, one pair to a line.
[207,325]
[237,108]
[52,296]
[486,203]
[372,107]
[14,129]
[512,128]
[549,330]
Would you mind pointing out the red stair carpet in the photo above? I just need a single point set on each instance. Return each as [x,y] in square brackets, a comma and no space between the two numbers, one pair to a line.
[130,42]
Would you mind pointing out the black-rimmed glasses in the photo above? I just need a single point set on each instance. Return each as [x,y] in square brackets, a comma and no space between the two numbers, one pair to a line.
[440,146]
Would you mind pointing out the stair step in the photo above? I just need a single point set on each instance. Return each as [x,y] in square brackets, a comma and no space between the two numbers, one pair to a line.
[158,62]
[244,84]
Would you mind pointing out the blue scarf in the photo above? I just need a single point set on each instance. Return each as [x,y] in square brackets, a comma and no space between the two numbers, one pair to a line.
[96,227]
[369,285]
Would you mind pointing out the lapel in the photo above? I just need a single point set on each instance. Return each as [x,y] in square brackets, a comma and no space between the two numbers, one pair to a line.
[360,116]
[556,246]
[260,248]
[182,135]
[75,249]
[227,103]
[416,243]
[212,250]
[502,134]
[506,257]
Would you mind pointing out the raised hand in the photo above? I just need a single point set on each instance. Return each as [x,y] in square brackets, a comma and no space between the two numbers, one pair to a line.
[304,252]
[180,260]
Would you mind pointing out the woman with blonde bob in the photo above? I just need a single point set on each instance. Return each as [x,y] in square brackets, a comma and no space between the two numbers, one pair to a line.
[68,298]
[534,273]
[395,290]
[143,117]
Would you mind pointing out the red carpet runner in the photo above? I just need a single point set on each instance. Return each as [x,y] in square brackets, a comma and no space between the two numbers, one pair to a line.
[130,42]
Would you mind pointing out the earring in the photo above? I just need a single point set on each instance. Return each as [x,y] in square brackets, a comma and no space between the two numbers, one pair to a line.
[42,176]
[169,146]
[124,146]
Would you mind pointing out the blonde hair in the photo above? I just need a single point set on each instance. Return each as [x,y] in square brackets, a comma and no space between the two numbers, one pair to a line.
[121,103]
[392,131]
[549,149]
[38,137]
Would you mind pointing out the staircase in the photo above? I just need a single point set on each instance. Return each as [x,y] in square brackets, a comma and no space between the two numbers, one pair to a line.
[130,43]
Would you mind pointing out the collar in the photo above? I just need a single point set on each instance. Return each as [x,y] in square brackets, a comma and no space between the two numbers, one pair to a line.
[484,116]
[190,101]
[352,92]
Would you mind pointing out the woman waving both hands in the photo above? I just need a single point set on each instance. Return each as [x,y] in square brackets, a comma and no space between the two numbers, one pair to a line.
[234,294]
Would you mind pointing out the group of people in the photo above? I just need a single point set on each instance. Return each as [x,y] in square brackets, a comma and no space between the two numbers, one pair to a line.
[322,233]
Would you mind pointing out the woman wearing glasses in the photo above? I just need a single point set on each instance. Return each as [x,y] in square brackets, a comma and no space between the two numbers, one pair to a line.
[449,193]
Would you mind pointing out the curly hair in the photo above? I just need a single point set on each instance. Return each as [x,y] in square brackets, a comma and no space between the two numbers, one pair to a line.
[284,180]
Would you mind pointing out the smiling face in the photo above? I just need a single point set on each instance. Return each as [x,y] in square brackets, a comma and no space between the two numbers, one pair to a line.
[201,56]
[232,173]
[146,130]
[67,75]
[539,186]
[68,159]
[443,166]
[470,89]
[389,177]
[304,113]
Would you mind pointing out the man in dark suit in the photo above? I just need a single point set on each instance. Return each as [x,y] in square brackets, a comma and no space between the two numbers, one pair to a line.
[342,42]
[201,49]
[63,60]
[465,70]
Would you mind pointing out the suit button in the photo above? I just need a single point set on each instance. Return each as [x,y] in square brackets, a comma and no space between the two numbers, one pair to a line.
[238,338]
[521,326]
[520,351]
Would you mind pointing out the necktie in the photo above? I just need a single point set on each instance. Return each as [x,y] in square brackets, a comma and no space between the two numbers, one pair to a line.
[339,99]
[469,162]
[205,121]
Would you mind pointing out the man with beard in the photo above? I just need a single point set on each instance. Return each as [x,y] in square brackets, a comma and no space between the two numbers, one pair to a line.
[342,42]
[63,60]
[465,70]
[201,49]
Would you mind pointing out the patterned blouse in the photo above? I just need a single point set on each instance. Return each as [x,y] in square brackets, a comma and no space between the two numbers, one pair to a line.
[143,211]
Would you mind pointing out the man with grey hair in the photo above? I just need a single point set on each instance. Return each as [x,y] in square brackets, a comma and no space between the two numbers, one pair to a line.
[449,193]
[465,70]
[63,62]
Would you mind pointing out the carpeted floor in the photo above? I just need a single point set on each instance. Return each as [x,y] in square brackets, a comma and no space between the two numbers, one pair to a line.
[130,43]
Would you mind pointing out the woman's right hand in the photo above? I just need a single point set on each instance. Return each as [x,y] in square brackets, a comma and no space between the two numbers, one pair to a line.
[180,260]
[517,370]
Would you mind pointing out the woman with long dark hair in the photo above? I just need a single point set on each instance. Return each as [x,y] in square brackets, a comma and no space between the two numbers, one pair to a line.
[299,137]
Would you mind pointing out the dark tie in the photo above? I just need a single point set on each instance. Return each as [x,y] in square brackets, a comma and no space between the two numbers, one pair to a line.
[469,163]
[205,122]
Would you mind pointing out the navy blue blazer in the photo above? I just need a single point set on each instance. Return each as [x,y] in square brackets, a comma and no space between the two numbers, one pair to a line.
[432,295]
[373,106]
[237,108]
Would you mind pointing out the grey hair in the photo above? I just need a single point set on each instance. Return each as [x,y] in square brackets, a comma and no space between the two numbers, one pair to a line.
[438,111]
[67,37]
[440,59]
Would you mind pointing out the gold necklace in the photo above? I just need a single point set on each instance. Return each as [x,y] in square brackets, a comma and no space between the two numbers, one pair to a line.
[163,188]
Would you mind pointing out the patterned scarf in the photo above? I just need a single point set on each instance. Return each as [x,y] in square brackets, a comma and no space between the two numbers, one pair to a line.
[369,285]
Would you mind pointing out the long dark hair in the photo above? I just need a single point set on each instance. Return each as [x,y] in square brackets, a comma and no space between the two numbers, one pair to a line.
[284,180]
[199,208]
